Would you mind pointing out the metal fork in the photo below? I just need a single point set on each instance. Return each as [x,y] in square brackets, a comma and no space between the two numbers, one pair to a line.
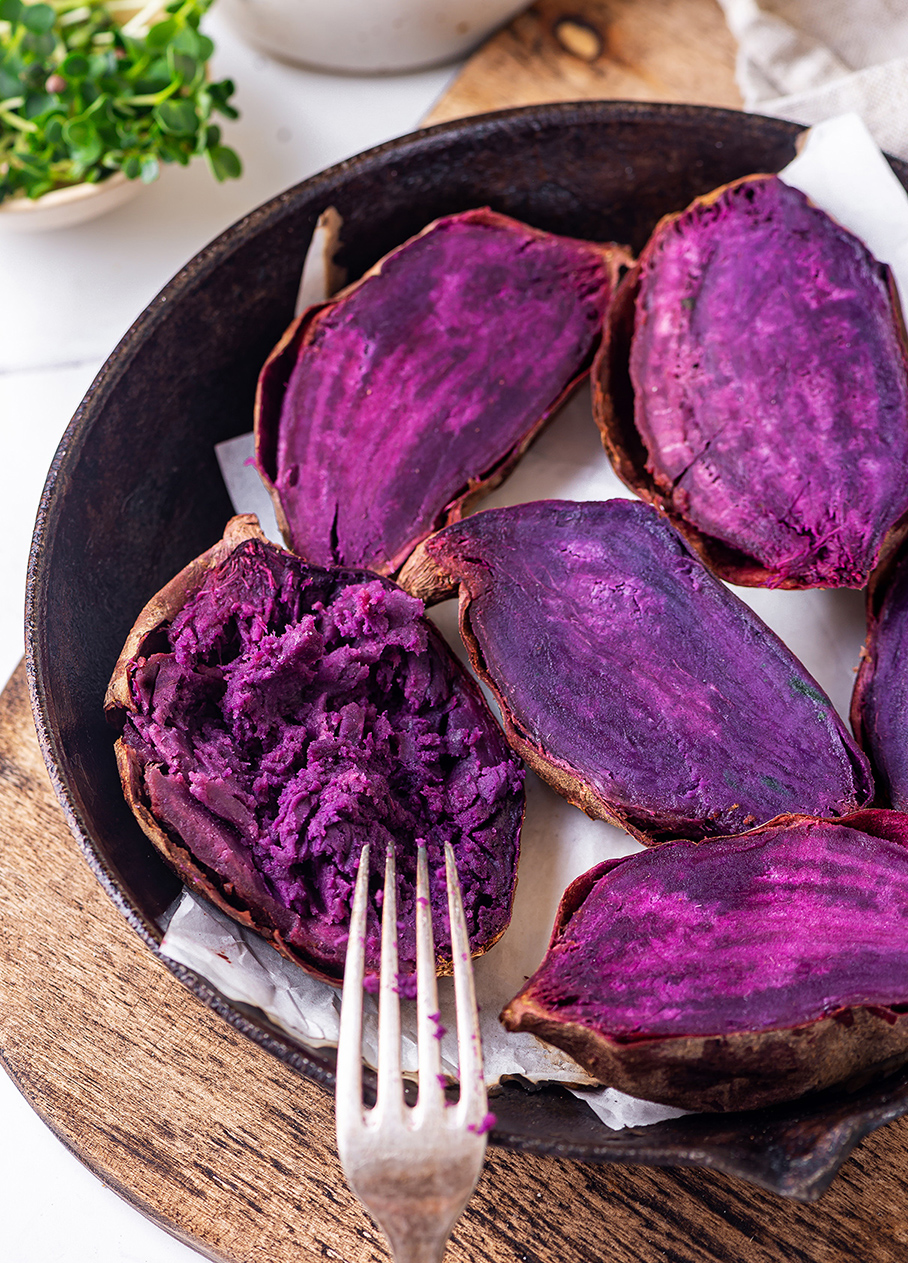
[413,1168]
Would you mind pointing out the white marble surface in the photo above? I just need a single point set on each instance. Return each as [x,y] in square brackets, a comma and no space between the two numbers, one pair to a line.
[66,298]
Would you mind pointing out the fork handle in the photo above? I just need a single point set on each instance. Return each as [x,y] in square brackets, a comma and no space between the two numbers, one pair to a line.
[412,1246]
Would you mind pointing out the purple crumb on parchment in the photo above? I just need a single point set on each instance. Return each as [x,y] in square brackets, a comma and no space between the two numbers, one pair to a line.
[295,713]
[406,986]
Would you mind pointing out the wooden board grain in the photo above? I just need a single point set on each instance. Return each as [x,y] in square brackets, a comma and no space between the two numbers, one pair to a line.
[231,1151]
[635,50]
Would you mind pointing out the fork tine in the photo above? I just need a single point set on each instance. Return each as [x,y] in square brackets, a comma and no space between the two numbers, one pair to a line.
[414,1170]
[349,1094]
[389,1101]
[430,1102]
[473,1104]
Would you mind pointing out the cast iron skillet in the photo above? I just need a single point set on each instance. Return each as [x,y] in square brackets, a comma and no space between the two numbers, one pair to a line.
[134,492]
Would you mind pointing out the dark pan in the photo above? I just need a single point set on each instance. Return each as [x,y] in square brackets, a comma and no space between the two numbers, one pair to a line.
[135,492]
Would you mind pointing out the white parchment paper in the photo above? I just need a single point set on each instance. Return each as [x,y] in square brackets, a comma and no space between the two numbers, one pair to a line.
[841,169]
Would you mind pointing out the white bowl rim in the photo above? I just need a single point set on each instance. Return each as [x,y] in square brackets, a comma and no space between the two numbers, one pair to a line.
[72,193]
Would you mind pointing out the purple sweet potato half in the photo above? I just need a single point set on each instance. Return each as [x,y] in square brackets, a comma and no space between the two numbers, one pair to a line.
[276,715]
[737,973]
[384,412]
[879,704]
[633,680]
[754,386]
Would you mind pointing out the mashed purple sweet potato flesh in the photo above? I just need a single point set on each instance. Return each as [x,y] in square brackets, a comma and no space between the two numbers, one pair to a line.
[386,409]
[769,368]
[291,713]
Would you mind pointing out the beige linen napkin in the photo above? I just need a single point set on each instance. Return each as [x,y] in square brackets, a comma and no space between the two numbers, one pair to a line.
[808,60]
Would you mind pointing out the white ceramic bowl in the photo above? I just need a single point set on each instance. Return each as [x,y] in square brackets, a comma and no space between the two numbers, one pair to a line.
[64,207]
[368,36]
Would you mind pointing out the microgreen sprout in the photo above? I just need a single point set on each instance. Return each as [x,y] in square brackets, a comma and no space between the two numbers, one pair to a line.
[88,88]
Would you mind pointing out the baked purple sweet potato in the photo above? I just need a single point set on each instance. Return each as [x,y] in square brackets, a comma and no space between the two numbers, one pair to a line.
[275,716]
[631,679]
[385,412]
[753,385]
[734,974]
[879,703]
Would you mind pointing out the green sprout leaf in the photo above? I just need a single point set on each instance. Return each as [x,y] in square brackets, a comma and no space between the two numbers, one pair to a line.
[83,141]
[37,103]
[101,65]
[80,98]
[189,42]
[183,67]
[162,33]
[219,93]
[224,163]
[177,117]
[38,18]
[75,66]
[41,43]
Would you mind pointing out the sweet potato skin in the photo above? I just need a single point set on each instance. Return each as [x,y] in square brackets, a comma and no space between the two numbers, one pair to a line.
[632,681]
[264,916]
[879,702]
[763,410]
[274,716]
[734,1069]
[390,409]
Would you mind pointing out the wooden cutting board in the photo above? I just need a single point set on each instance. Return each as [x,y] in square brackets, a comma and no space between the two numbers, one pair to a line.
[220,1143]
[231,1151]
[631,50]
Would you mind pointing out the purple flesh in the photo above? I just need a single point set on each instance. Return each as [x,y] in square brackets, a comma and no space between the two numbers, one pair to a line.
[737,935]
[880,701]
[393,404]
[735,974]
[295,713]
[769,370]
[635,681]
